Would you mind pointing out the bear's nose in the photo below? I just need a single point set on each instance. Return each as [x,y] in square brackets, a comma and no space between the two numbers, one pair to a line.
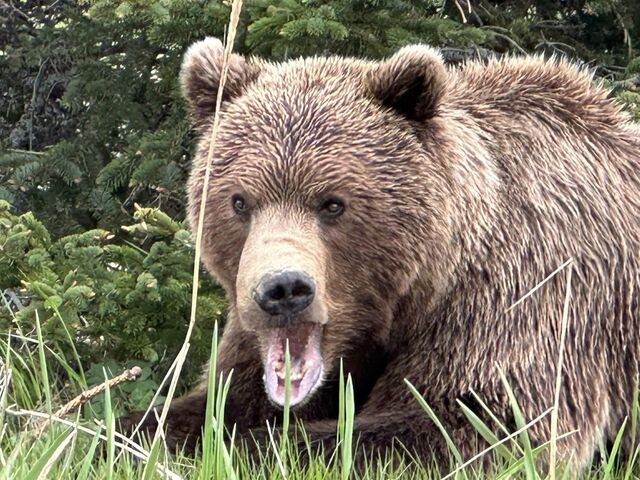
[284,293]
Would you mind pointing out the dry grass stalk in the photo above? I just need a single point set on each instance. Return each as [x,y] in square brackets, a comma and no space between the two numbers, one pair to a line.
[234,19]
[128,375]
[540,285]
[556,399]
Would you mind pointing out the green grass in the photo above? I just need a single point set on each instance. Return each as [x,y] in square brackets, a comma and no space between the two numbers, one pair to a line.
[74,449]
[83,450]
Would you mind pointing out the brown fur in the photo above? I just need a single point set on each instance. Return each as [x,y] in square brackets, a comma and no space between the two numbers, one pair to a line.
[465,188]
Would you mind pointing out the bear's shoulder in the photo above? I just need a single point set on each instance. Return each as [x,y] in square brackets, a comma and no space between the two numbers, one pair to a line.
[555,89]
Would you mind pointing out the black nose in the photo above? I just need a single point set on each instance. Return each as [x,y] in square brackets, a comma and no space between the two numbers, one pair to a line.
[284,293]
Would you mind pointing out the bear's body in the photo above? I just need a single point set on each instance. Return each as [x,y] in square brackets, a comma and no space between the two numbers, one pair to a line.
[420,204]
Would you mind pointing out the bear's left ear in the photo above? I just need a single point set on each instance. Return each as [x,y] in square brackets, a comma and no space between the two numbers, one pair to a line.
[412,82]
[200,77]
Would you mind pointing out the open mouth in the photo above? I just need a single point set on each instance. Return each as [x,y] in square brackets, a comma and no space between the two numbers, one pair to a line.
[306,362]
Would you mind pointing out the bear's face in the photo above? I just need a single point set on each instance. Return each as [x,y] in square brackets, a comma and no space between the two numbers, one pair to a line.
[312,222]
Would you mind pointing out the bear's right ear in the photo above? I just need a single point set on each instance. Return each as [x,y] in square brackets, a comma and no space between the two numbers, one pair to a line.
[412,82]
[200,77]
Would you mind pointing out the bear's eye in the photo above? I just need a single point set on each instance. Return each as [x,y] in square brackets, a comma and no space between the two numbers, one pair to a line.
[239,204]
[332,208]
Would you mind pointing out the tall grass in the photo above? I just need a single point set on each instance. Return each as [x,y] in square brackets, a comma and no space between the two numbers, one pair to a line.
[69,448]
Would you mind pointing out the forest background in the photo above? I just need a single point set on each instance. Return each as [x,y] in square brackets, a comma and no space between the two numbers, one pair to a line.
[95,149]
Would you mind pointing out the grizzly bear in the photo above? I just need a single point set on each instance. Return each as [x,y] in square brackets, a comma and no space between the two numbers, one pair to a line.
[392,214]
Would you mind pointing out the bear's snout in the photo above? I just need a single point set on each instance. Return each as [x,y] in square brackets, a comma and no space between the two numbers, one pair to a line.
[284,293]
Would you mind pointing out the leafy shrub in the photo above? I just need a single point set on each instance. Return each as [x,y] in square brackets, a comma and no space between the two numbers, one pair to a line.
[120,303]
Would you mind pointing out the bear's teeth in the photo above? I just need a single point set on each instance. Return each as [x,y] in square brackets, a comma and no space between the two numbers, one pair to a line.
[295,375]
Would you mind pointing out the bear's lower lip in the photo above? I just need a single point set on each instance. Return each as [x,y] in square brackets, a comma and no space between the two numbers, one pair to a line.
[306,362]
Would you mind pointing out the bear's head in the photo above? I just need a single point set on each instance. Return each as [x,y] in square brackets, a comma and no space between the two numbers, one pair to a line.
[327,199]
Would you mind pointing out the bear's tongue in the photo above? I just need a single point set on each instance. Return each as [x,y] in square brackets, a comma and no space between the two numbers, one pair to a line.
[306,361]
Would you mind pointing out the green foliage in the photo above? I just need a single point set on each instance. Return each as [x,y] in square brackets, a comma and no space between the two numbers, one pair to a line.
[123,303]
[92,124]
[290,28]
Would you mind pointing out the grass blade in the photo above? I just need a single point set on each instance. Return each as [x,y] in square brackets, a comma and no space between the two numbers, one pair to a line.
[223,457]
[39,469]
[634,433]
[111,427]
[434,418]
[43,365]
[83,474]
[287,401]
[6,473]
[613,456]
[485,432]
[236,8]
[494,418]
[514,468]
[208,443]
[340,402]
[347,434]
[529,462]
[558,385]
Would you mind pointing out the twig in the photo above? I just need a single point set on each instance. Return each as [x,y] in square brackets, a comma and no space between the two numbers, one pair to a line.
[507,38]
[13,298]
[553,45]
[133,196]
[19,12]
[30,152]
[457,4]
[627,36]
[126,376]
